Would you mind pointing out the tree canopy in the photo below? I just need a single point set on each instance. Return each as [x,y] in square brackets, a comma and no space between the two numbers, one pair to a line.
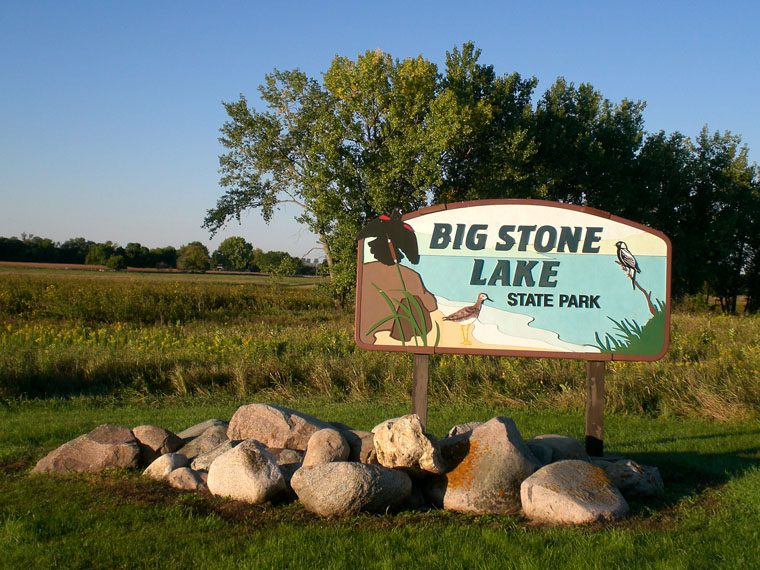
[378,133]
[193,257]
[234,253]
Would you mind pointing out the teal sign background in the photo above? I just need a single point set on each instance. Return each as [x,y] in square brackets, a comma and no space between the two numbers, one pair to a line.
[540,301]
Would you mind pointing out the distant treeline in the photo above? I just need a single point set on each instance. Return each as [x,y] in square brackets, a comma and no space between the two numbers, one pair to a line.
[233,254]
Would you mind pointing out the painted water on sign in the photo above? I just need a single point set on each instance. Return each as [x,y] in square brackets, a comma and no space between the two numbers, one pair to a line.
[598,278]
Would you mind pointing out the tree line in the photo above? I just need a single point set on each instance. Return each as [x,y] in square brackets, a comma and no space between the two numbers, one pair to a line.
[233,254]
[377,133]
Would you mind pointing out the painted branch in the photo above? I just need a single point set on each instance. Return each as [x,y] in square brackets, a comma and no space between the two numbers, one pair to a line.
[647,295]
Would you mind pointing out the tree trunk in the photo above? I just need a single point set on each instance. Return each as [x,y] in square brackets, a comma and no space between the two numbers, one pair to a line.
[328,255]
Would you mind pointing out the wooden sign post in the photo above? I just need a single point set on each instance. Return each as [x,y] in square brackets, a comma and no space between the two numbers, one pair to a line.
[514,278]
[420,387]
[595,408]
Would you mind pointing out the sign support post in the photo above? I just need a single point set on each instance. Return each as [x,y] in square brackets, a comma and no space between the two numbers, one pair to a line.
[420,387]
[595,408]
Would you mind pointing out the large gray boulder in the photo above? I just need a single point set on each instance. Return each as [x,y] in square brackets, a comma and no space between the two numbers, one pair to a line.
[561,446]
[342,488]
[203,461]
[274,426]
[402,443]
[287,456]
[187,479]
[107,446]
[326,445]
[633,479]
[362,444]
[543,453]
[247,472]
[466,427]
[155,441]
[571,492]
[195,430]
[487,466]
[164,465]
[208,440]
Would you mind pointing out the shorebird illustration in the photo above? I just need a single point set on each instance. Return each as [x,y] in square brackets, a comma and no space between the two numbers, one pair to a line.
[466,316]
[628,262]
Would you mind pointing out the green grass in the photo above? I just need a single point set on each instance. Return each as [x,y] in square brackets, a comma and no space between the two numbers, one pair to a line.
[708,518]
[173,350]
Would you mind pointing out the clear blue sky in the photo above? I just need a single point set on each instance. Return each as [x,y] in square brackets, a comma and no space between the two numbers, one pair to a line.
[109,111]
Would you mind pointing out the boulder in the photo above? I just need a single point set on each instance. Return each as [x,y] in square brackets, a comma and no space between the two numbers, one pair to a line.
[274,426]
[326,445]
[571,492]
[633,479]
[187,479]
[459,429]
[487,466]
[362,444]
[561,446]
[289,461]
[247,472]
[194,431]
[342,488]
[287,456]
[402,443]
[154,442]
[540,451]
[164,465]
[107,446]
[208,440]
[203,461]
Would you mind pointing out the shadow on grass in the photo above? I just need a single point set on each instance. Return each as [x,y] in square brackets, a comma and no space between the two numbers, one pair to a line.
[688,476]
[69,379]
[699,437]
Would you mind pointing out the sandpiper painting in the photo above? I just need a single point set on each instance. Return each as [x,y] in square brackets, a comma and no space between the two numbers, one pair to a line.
[466,317]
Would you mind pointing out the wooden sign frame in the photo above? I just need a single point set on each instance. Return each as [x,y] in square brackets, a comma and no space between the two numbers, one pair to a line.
[631,288]
[391,238]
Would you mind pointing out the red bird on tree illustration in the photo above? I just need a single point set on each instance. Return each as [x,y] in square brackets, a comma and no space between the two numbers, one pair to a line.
[393,239]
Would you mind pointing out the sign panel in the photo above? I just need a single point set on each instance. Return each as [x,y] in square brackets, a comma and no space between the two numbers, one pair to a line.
[513,277]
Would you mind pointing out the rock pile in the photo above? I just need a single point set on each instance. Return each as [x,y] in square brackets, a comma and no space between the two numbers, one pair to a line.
[271,453]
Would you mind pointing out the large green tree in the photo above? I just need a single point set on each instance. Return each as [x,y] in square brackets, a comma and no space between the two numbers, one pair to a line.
[344,151]
[234,253]
[193,257]
[724,206]
[587,147]
[481,130]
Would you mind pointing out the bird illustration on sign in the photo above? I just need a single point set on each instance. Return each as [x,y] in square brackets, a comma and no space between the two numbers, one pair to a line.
[393,239]
[628,262]
[467,316]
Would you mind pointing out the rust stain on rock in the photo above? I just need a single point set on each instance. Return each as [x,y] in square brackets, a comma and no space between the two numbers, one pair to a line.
[463,476]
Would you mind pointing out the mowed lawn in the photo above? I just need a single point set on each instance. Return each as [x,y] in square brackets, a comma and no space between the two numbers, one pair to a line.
[709,517]
[78,349]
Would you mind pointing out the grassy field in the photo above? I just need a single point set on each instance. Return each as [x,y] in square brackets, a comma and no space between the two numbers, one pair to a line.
[139,336]
[708,518]
[77,350]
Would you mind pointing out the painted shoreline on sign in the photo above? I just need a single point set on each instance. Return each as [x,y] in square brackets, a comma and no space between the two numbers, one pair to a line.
[487,332]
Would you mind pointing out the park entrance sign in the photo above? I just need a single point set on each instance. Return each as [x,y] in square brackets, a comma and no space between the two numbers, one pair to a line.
[514,278]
